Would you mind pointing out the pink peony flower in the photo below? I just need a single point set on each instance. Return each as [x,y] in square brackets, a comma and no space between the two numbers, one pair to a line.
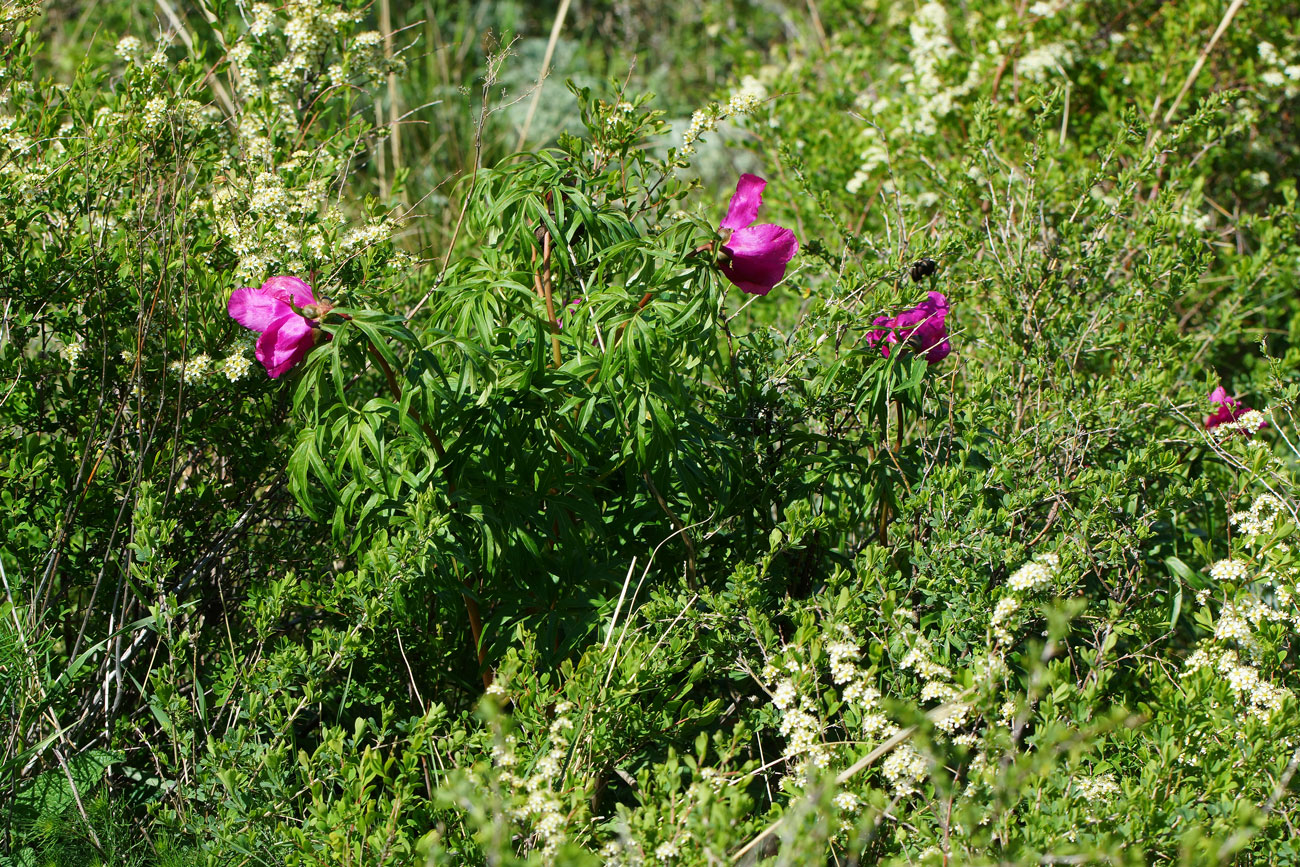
[287,336]
[754,257]
[921,328]
[1230,409]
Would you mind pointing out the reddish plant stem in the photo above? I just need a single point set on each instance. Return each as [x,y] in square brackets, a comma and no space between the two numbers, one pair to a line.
[618,335]
[428,431]
[898,447]
[476,632]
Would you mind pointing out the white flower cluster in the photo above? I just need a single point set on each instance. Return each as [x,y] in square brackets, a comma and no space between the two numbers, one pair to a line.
[311,24]
[801,724]
[263,20]
[194,370]
[236,367]
[269,196]
[917,660]
[1258,594]
[201,369]
[905,768]
[1280,72]
[157,112]
[746,100]
[366,236]
[873,156]
[702,121]
[365,55]
[938,691]
[1261,519]
[1099,788]
[855,685]
[1007,712]
[928,97]
[129,48]
[1007,608]
[931,46]
[1248,422]
[937,688]
[269,73]
[1034,574]
[666,851]
[18,142]
[539,802]
[268,222]
[1232,626]
[932,49]
[802,729]
[72,351]
[1260,697]
[1041,62]
[847,802]
[1234,571]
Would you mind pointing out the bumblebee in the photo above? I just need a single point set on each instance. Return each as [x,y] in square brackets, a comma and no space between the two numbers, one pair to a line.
[923,268]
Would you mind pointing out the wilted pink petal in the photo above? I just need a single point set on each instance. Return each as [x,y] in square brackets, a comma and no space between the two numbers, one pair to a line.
[923,328]
[754,257]
[286,336]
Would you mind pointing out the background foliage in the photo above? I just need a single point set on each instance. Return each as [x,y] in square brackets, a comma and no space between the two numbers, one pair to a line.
[692,576]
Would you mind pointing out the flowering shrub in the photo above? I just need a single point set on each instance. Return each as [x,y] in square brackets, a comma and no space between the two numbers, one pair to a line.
[539,544]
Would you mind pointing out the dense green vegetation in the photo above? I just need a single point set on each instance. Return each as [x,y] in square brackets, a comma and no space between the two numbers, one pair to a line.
[547,543]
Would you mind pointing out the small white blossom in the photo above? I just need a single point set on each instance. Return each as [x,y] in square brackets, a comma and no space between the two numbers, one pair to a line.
[1229,570]
[236,367]
[72,351]
[1098,788]
[905,768]
[129,48]
[1035,574]
[847,801]
[155,112]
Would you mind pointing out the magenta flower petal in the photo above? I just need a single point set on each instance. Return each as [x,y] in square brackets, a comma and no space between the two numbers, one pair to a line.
[256,308]
[286,336]
[290,289]
[758,256]
[754,257]
[284,344]
[924,328]
[745,202]
[1230,409]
